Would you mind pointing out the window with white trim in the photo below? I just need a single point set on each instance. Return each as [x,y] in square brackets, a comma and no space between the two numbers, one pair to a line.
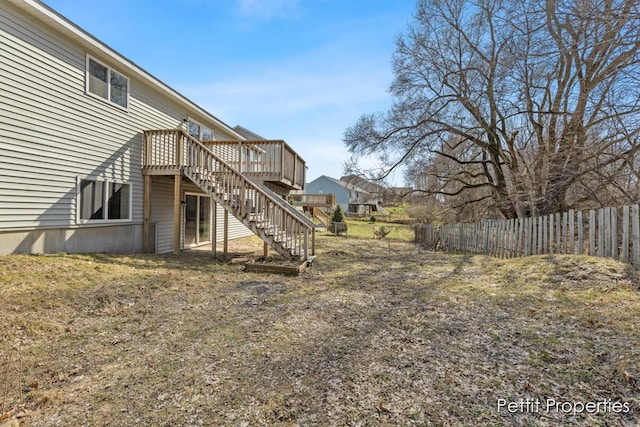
[103,201]
[199,132]
[106,83]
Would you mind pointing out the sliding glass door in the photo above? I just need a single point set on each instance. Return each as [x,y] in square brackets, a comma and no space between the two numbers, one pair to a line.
[197,220]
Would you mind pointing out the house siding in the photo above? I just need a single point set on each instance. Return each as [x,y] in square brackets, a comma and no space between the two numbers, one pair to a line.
[162,212]
[52,133]
[162,215]
[324,185]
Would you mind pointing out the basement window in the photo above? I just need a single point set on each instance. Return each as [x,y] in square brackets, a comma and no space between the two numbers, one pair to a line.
[103,201]
[106,83]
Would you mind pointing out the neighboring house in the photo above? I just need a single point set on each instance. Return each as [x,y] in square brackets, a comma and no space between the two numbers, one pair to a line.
[352,199]
[97,155]
[373,188]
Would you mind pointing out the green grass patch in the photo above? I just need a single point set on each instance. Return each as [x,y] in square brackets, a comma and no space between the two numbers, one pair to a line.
[358,229]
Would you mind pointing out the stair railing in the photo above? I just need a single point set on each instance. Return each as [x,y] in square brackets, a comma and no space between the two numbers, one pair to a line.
[245,199]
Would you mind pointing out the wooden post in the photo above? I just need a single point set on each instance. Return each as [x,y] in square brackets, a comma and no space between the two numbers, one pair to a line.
[540,249]
[527,237]
[265,250]
[225,238]
[485,243]
[563,242]
[214,231]
[177,201]
[624,249]
[635,222]
[580,234]
[571,248]
[551,234]
[600,232]
[146,216]
[179,147]
[519,237]
[592,232]
[558,234]
[607,232]
[148,149]
[614,233]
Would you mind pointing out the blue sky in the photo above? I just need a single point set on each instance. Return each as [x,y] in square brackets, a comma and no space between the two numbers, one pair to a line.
[298,70]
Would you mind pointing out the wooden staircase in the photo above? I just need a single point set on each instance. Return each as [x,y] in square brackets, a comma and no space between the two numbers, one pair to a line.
[317,212]
[269,216]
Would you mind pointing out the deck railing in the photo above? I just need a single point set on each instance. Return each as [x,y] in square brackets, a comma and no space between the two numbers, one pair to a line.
[257,207]
[324,200]
[271,160]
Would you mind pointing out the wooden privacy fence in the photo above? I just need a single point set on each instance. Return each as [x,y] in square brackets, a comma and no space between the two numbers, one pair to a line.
[606,232]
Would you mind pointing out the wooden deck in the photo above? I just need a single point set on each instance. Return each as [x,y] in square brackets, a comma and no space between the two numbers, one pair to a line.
[263,161]
[268,215]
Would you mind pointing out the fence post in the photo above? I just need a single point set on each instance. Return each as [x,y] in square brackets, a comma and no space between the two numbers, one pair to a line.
[558,234]
[580,236]
[571,232]
[512,240]
[624,249]
[601,232]
[592,232]
[614,233]
[527,237]
[563,241]
[545,235]
[607,232]
[519,237]
[551,234]
[635,220]
[485,243]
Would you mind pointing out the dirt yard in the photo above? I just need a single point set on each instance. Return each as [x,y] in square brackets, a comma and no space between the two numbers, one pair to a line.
[375,334]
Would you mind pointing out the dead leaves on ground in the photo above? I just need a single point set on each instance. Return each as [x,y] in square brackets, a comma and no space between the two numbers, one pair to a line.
[370,336]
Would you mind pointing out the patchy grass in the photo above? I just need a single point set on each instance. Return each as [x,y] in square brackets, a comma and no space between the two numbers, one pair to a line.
[359,229]
[398,212]
[374,334]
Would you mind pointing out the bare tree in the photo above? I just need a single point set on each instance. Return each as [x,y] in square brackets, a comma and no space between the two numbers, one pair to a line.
[531,105]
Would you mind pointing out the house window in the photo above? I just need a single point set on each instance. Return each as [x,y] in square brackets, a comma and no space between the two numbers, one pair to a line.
[107,83]
[199,132]
[104,201]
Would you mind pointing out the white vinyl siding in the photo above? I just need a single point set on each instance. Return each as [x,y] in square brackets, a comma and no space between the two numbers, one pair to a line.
[162,212]
[51,131]
[236,228]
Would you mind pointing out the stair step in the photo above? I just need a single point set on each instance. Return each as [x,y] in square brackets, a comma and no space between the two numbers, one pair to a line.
[250,214]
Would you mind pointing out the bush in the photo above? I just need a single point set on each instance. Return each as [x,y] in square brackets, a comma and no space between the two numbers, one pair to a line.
[337,225]
[382,232]
[373,218]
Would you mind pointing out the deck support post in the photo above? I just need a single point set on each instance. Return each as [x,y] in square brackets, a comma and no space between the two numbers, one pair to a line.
[214,231]
[177,200]
[225,244]
[146,216]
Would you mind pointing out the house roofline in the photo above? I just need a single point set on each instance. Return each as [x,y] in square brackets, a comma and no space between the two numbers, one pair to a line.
[345,185]
[55,20]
